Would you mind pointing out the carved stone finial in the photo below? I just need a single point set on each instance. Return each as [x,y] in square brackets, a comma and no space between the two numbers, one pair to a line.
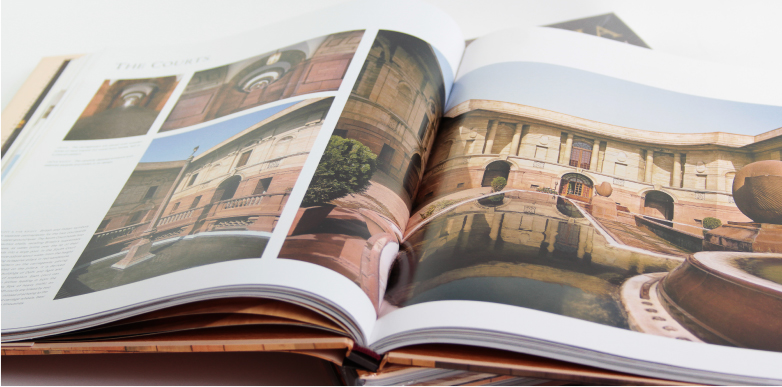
[757,191]
[604,189]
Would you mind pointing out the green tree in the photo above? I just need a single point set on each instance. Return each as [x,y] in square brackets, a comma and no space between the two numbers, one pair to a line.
[345,168]
[498,183]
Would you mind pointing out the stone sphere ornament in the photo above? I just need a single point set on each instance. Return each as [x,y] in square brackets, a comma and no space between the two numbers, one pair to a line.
[604,189]
[757,191]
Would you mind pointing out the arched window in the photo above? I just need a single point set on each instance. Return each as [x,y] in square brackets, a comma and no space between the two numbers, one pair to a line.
[575,186]
[227,189]
[581,154]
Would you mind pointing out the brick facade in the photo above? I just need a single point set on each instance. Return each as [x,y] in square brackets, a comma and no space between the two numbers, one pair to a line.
[241,184]
[313,66]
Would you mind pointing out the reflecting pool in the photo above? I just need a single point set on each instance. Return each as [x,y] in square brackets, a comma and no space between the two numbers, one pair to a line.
[533,250]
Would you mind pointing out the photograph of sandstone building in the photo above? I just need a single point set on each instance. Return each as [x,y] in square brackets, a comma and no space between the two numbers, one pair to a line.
[123,108]
[624,227]
[676,180]
[311,66]
[219,204]
[392,113]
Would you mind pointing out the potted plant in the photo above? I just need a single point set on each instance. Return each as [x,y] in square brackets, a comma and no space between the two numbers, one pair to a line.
[497,184]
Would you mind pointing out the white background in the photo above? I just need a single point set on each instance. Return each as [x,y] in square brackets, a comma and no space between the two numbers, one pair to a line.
[738,32]
[735,32]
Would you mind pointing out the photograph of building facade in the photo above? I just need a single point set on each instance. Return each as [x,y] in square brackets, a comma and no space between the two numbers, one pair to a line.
[308,67]
[394,110]
[123,108]
[217,206]
[683,178]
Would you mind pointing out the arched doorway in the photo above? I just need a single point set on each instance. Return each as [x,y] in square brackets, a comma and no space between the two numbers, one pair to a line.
[658,204]
[493,170]
[227,189]
[576,186]
[413,175]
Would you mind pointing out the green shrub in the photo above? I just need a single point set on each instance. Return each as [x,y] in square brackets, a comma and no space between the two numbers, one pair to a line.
[711,223]
[497,198]
[345,168]
[498,183]
[547,190]
[436,207]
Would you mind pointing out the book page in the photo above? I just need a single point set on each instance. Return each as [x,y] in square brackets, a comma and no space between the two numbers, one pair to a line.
[572,201]
[171,175]
[355,211]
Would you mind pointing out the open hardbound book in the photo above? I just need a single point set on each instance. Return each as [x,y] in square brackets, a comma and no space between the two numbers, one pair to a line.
[371,178]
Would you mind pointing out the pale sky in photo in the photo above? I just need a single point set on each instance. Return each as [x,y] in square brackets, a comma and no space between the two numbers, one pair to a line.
[179,147]
[613,101]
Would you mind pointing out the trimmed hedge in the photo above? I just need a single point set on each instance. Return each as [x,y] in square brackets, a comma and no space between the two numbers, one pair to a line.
[711,223]
[498,183]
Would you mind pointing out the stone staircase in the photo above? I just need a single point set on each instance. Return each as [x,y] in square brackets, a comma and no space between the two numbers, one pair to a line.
[632,235]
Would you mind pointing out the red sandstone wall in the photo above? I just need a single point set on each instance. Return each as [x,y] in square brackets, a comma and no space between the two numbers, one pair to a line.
[107,96]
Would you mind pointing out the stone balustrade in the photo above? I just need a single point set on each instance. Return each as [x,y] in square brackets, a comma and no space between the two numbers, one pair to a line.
[117,233]
[178,216]
[247,201]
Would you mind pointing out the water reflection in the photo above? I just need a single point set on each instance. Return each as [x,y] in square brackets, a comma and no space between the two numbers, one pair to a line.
[534,250]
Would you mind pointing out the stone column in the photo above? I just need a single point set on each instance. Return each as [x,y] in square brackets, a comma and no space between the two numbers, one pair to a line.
[466,228]
[601,158]
[676,176]
[496,225]
[565,159]
[516,142]
[595,151]
[649,165]
[448,226]
[468,223]
[552,227]
[582,240]
[159,213]
[490,137]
